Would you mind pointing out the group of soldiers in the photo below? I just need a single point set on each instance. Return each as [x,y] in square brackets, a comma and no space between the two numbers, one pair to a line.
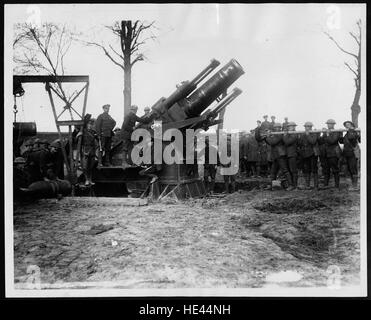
[39,160]
[287,153]
[99,139]
[283,154]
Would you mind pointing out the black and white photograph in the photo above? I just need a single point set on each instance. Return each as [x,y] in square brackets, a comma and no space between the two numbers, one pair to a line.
[185,150]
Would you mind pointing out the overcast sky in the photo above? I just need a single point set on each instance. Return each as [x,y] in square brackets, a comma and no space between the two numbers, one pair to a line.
[291,68]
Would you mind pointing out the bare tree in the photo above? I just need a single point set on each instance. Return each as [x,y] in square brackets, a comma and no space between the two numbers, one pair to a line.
[355,69]
[131,35]
[42,50]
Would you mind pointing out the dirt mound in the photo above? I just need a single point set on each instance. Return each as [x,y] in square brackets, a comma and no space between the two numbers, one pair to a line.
[290,205]
[302,204]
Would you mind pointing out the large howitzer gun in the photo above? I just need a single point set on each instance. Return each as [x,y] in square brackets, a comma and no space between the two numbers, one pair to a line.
[184,107]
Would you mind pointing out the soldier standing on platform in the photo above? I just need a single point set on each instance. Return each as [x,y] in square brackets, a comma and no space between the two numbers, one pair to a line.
[127,129]
[333,152]
[89,146]
[350,141]
[104,126]
[308,149]
[279,156]
[290,141]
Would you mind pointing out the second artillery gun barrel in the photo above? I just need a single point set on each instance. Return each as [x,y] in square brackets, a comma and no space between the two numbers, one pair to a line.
[202,97]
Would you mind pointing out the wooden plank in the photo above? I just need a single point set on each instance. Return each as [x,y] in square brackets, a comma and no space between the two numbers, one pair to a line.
[104,201]
[70,123]
[53,79]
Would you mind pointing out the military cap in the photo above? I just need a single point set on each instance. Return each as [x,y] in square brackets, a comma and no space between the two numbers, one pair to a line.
[91,120]
[147,109]
[291,123]
[44,141]
[277,125]
[56,144]
[349,122]
[265,116]
[330,121]
[29,143]
[308,124]
[19,160]
[106,106]
[116,129]
[134,107]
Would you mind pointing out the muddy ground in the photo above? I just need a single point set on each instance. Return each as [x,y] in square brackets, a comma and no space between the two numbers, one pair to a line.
[243,239]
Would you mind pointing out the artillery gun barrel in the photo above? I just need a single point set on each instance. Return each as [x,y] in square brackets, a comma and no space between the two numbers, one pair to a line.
[226,101]
[312,131]
[202,97]
[188,87]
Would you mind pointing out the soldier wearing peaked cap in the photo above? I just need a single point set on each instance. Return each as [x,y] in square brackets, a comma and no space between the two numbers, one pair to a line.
[104,126]
[127,129]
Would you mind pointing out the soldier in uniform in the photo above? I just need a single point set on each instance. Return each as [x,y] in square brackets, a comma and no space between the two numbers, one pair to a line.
[36,144]
[146,111]
[37,164]
[290,141]
[266,124]
[308,149]
[209,167]
[350,141]
[262,148]
[89,145]
[253,165]
[104,126]
[28,149]
[56,159]
[243,152]
[333,152]
[21,178]
[279,156]
[44,144]
[229,179]
[127,129]
[271,125]
[285,124]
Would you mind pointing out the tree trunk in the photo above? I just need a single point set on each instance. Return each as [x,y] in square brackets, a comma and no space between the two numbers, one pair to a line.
[356,109]
[127,89]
